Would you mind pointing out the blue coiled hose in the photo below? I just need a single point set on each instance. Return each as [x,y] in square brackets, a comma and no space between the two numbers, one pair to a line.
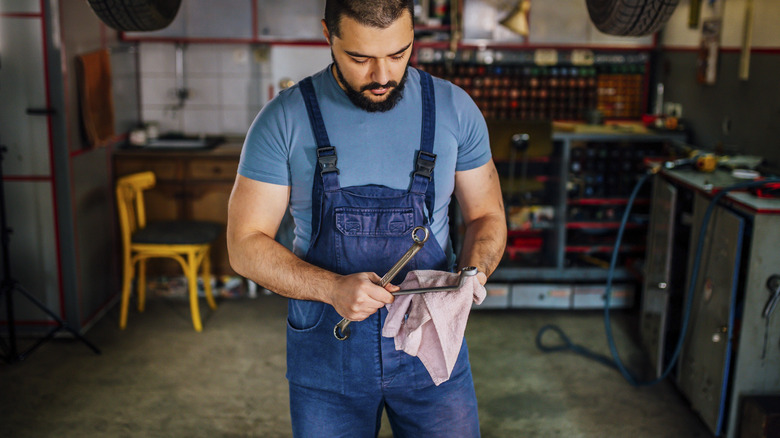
[615,361]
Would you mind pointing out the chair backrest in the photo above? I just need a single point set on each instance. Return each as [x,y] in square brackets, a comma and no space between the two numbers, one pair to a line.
[130,202]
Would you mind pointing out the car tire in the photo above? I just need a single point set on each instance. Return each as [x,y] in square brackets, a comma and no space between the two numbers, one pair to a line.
[135,15]
[630,17]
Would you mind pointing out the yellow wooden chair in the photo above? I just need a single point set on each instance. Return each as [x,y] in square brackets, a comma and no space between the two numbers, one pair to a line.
[187,242]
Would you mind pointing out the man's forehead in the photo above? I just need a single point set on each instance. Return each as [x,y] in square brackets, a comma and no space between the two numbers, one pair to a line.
[359,39]
[402,19]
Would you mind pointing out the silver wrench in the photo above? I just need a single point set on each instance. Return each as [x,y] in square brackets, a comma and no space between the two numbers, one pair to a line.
[468,271]
[342,327]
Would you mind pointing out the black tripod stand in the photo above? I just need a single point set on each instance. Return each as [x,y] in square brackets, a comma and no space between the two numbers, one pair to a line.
[9,285]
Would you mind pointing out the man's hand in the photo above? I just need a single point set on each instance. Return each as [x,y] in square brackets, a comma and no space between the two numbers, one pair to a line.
[481,278]
[358,296]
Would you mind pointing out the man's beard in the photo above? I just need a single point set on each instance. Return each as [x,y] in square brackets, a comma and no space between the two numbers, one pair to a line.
[356,96]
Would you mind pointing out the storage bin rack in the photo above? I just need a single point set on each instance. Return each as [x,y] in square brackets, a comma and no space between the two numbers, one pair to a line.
[511,85]
[563,228]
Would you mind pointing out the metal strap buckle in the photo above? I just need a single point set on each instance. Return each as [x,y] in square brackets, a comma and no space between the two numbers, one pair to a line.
[327,158]
[425,164]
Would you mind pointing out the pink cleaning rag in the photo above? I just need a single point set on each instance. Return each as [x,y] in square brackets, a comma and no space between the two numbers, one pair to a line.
[436,322]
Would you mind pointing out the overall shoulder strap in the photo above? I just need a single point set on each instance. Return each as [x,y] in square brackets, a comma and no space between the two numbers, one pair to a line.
[326,154]
[422,180]
[326,177]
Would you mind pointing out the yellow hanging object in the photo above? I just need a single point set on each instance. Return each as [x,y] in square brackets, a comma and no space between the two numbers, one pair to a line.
[517,20]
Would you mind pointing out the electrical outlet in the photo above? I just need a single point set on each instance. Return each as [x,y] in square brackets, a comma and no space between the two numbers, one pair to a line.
[673,109]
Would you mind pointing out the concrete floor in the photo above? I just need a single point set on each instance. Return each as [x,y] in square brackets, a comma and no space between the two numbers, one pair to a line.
[159,378]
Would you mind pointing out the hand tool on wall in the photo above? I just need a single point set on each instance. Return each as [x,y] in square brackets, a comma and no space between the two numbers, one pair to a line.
[694,14]
[341,330]
[747,41]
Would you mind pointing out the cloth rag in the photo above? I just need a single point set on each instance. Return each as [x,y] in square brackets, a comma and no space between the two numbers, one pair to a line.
[431,325]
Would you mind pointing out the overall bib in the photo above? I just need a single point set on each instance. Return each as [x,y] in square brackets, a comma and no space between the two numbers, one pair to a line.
[339,388]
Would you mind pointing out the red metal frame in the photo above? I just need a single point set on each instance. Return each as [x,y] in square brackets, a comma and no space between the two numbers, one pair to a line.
[762,50]
[21,14]
[605,201]
[585,249]
[600,225]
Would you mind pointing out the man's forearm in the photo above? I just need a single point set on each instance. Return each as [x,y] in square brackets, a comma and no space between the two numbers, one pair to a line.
[271,265]
[255,211]
[484,243]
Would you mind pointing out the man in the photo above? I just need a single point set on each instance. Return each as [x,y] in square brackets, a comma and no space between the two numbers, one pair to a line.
[362,152]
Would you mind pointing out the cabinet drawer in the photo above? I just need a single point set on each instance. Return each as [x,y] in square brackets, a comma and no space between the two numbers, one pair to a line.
[213,169]
[593,297]
[543,296]
[163,169]
[496,297]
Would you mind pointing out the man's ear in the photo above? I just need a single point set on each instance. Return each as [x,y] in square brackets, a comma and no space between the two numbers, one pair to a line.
[325,31]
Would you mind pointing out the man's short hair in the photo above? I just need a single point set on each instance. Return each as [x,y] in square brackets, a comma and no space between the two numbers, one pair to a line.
[379,13]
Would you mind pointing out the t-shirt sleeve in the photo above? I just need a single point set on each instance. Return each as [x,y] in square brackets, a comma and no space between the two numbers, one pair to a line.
[264,156]
[473,140]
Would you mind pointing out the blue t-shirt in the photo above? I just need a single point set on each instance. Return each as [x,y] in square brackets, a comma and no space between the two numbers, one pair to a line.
[373,148]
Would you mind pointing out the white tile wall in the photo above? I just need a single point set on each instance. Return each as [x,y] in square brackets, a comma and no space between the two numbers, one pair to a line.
[203,60]
[236,60]
[168,120]
[157,59]
[200,121]
[237,120]
[203,90]
[297,62]
[239,91]
[227,83]
[157,90]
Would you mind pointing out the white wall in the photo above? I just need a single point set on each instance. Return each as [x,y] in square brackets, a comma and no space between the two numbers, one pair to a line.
[228,83]
[227,86]
[297,62]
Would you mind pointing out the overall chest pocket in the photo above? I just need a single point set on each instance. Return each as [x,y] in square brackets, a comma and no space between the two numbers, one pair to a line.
[374,222]
[372,239]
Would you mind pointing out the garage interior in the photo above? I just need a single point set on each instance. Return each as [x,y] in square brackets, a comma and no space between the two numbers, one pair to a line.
[637,295]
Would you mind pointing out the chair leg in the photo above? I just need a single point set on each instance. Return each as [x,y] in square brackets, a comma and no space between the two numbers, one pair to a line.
[127,281]
[206,274]
[191,271]
[141,284]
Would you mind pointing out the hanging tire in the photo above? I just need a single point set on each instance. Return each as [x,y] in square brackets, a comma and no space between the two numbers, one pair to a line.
[135,15]
[630,17]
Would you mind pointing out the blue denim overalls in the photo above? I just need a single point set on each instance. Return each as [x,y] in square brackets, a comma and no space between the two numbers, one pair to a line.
[339,388]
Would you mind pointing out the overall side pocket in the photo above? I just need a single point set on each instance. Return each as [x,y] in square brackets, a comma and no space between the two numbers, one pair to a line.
[314,355]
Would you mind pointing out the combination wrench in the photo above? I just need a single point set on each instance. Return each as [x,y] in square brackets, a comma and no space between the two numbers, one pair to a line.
[341,330]
[468,271]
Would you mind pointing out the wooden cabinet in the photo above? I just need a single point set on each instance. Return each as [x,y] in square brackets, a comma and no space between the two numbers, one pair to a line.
[190,185]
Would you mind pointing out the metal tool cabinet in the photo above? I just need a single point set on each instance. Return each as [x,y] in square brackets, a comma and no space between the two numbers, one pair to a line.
[731,350]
